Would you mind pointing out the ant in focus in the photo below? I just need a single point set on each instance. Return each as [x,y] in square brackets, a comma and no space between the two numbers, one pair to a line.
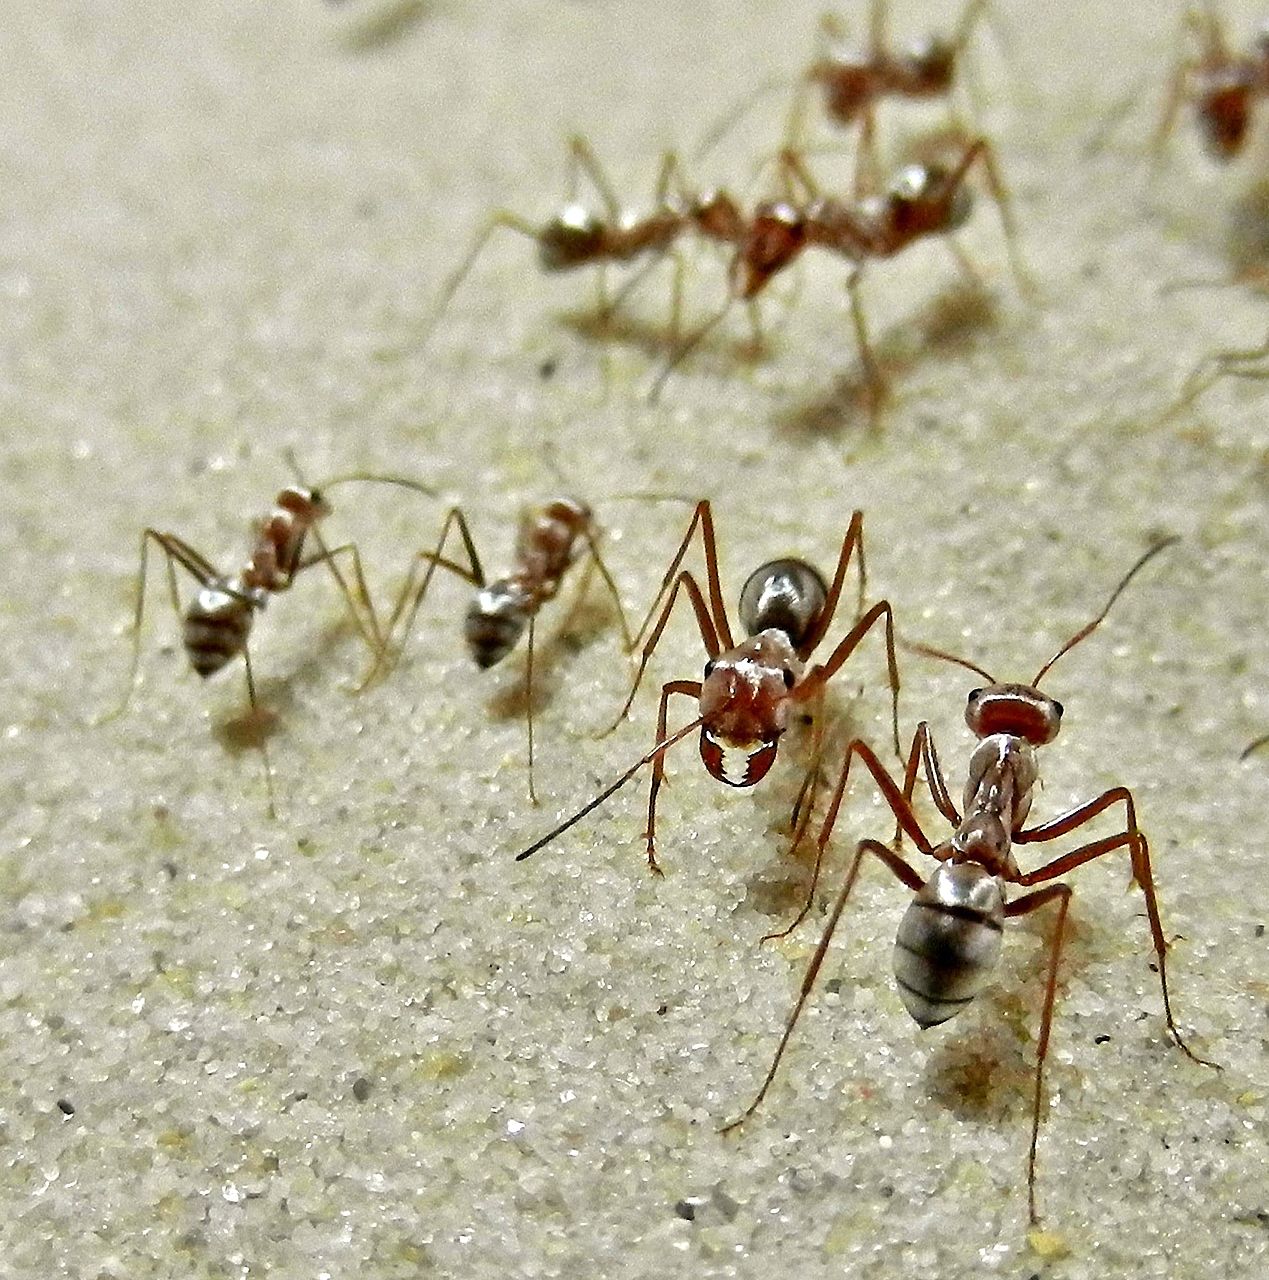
[550,540]
[949,940]
[921,200]
[1221,85]
[749,690]
[216,625]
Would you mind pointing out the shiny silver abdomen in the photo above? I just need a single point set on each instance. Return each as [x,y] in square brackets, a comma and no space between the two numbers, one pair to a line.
[949,941]
[217,624]
[495,620]
[783,595]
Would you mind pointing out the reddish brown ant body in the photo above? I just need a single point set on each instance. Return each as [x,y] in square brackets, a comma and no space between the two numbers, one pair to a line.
[749,689]
[579,237]
[922,200]
[950,938]
[216,625]
[550,541]
[1222,85]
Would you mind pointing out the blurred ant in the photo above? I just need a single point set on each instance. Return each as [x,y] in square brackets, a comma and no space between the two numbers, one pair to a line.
[922,200]
[1222,86]
[949,940]
[579,237]
[856,81]
[550,540]
[216,625]
[749,690]
[1252,747]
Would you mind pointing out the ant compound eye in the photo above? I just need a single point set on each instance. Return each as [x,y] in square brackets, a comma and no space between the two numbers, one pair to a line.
[709,668]
[975,694]
[789,678]
[1057,706]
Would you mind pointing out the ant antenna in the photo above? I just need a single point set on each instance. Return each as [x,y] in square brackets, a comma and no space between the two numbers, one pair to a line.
[661,747]
[929,652]
[373,477]
[1090,627]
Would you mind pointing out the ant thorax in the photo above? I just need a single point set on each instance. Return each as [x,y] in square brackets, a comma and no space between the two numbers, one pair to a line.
[744,706]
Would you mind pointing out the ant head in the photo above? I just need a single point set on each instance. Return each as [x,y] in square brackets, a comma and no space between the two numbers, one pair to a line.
[932,63]
[744,706]
[1017,709]
[776,236]
[494,622]
[787,595]
[573,239]
[309,505]
[1223,105]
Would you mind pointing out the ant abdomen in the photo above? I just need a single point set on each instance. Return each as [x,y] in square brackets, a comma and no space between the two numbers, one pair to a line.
[495,621]
[784,595]
[216,626]
[949,941]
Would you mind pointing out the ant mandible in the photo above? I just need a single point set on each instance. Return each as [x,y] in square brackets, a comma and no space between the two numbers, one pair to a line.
[949,940]
[749,690]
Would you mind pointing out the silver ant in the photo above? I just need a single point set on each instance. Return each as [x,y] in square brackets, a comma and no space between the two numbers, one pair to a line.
[578,236]
[216,625]
[949,940]
[551,539]
[854,82]
[750,689]
[1222,85]
[921,200]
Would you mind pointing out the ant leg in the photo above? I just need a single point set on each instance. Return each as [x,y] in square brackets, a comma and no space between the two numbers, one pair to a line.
[583,160]
[685,349]
[877,388]
[922,752]
[1252,747]
[708,637]
[368,628]
[528,688]
[176,552]
[254,703]
[411,595]
[499,219]
[852,542]
[690,688]
[982,151]
[1135,841]
[867,168]
[1211,368]
[605,574]
[702,517]
[820,675]
[1061,894]
[902,871]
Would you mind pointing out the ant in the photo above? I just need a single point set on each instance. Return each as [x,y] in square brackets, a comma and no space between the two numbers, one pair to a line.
[216,625]
[550,540]
[922,200]
[579,237]
[749,690]
[1221,84]
[949,940]
[854,81]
